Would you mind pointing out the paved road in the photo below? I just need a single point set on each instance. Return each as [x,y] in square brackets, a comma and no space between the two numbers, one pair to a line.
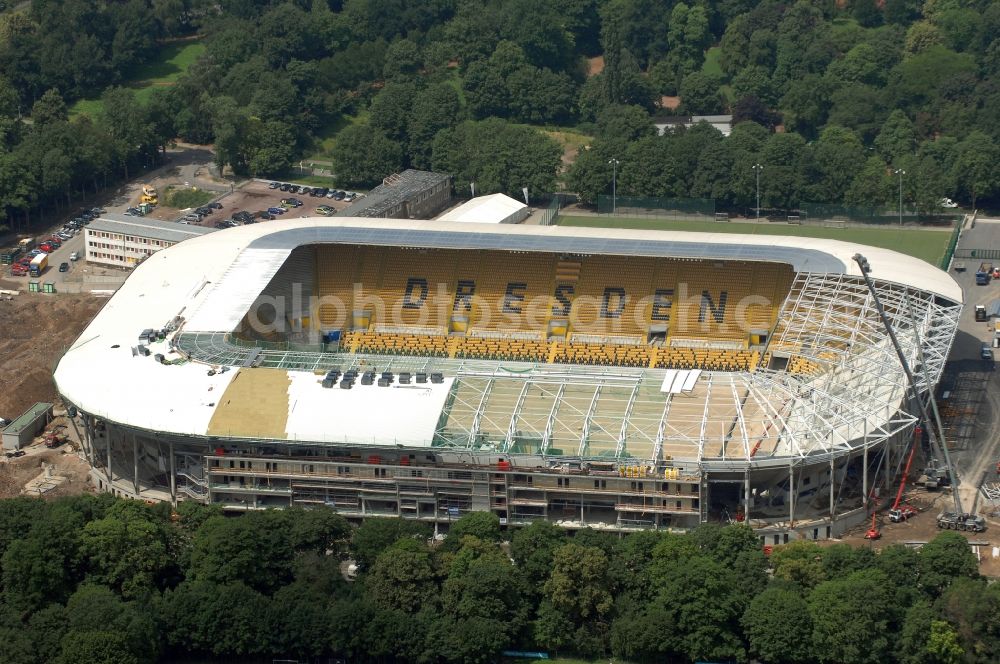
[983,452]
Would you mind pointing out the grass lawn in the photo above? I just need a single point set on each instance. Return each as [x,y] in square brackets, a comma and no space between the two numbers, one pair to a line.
[171,62]
[183,198]
[927,245]
[712,66]
[327,136]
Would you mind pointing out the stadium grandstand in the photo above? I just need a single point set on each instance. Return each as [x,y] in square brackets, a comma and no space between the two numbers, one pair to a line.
[612,379]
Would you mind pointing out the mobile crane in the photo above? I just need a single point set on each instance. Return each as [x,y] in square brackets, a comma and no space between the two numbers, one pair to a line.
[958,519]
[899,511]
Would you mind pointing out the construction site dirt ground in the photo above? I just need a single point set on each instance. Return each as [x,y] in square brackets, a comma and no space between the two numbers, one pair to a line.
[923,528]
[34,331]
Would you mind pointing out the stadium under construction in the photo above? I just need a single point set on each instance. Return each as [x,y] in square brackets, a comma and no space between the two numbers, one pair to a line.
[603,378]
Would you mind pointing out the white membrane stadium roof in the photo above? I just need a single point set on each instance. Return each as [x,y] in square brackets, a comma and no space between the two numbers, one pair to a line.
[212,280]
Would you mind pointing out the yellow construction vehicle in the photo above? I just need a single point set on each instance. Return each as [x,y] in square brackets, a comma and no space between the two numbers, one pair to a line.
[149,195]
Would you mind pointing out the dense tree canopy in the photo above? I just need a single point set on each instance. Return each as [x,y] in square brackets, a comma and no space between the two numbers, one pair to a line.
[103,580]
[912,82]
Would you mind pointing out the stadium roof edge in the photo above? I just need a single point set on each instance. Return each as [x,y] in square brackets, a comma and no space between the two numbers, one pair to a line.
[803,254]
[208,279]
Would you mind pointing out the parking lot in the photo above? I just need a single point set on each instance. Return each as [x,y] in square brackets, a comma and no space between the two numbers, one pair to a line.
[256,196]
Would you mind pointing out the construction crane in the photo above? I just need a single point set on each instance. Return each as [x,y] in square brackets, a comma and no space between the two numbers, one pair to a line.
[959,519]
[899,511]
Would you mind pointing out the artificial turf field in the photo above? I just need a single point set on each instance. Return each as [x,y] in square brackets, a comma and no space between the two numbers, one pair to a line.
[928,245]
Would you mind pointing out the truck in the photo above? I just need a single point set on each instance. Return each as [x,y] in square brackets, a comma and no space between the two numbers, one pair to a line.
[9,255]
[981,314]
[961,521]
[984,274]
[149,195]
[26,244]
[38,265]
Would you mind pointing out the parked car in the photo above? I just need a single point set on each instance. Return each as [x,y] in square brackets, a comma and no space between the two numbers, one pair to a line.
[75,256]
[277,210]
[285,187]
[64,267]
[274,185]
[339,196]
[215,205]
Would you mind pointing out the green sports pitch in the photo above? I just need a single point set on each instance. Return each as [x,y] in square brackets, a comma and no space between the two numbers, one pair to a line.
[928,245]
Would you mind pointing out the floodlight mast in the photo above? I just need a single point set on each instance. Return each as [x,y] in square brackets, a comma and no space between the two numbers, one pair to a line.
[938,444]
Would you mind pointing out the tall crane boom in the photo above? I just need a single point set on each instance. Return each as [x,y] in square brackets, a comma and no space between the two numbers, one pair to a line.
[912,383]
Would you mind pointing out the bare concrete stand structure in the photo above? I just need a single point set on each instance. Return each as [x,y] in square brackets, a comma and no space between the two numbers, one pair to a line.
[789,427]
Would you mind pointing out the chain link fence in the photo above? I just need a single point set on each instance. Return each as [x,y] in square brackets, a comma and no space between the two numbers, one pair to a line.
[657,207]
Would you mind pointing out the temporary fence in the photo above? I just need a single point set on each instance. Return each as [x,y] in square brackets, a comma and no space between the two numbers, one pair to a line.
[550,216]
[952,245]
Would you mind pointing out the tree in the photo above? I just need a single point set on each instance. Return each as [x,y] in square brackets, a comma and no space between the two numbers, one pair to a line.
[319,531]
[755,82]
[922,36]
[50,108]
[805,105]
[782,182]
[838,155]
[532,548]
[375,535]
[700,94]
[402,577]
[800,562]
[191,612]
[434,108]
[896,138]
[577,601]
[402,60]
[96,647]
[975,166]
[127,550]
[483,603]
[624,123]
[253,550]
[391,108]
[971,608]
[872,186]
[498,157]
[752,109]
[901,12]
[482,525]
[95,608]
[125,121]
[700,598]
[867,13]
[365,156]
[850,618]
[943,559]
[43,566]
[778,626]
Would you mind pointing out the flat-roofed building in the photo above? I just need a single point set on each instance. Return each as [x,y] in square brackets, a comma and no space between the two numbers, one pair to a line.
[124,241]
[411,194]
